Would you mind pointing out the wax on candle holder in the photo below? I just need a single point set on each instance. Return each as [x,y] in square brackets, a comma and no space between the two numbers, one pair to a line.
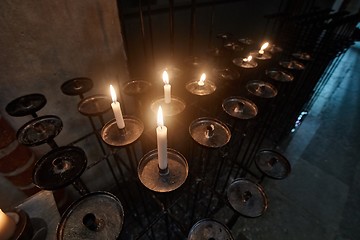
[115,105]
[167,87]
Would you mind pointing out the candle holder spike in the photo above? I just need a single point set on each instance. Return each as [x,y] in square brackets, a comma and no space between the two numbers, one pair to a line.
[261,89]
[209,132]
[279,76]
[240,107]
[161,180]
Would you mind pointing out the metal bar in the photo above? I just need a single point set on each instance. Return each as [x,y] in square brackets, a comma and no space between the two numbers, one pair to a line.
[171,26]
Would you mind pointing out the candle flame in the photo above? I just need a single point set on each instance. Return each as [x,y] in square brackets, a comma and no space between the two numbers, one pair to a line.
[165,77]
[263,47]
[201,82]
[248,59]
[113,93]
[160,118]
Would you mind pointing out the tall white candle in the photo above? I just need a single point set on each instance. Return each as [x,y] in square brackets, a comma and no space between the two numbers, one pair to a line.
[115,105]
[201,82]
[167,87]
[161,136]
[7,226]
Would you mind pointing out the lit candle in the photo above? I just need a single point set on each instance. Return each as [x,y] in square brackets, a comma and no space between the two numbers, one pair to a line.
[201,82]
[115,105]
[7,226]
[263,47]
[161,135]
[248,59]
[167,87]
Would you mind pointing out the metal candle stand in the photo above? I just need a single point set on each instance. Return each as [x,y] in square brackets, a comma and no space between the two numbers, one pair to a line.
[26,105]
[210,134]
[98,215]
[61,167]
[209,229]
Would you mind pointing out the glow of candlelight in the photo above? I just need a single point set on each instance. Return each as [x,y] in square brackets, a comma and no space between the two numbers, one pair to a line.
[248,59]
[165,77]
[160,118]
[263,47]
[201,82]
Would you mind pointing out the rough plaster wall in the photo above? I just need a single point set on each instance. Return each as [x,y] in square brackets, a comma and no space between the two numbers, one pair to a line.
[44,43]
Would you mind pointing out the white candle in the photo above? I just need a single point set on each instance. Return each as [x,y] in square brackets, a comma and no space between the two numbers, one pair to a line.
[115,105]
[167,87]
[263,47]
[161,136]
[7,226]
[201,82]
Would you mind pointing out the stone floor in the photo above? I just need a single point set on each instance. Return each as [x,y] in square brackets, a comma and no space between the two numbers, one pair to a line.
[320,199]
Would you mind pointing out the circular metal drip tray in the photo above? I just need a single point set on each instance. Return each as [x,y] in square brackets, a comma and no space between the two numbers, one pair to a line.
[261,89]
[175,107]
[26,105]
[209,132]
[116,137]
[247,198]
[94,105]
[98,215]
[302,56]
[264,56]
[226,74]
[208,88]
[280,76]
[273,164]
[59,168]
[77,86]
[245,41]
[39,130]
[240,107]
[293,64]
[148,171]
[208,229]
[244,64]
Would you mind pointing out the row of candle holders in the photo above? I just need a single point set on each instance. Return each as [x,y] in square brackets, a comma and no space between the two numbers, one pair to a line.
[63,166]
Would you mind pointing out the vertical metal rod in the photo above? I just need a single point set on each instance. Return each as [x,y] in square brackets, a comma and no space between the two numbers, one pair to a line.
[171,26]
[150,31]
[211,29]
[80,187]
[51,142]
[142,29]
[192,27]
[34,115]
[101,119]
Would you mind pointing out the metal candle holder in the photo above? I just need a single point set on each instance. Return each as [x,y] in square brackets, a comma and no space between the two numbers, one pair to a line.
[272,164]
[302,56]
[95,105]
[98,215]
[158,180]
[279,76]
[40,130]
[208,88]
[77,86]
[209,229]
[175,107]
[247,198]
[26,105]
[116,137]
[59,168]
[292,65]
[239,107]
[261,89]
[264,56]
[244,64]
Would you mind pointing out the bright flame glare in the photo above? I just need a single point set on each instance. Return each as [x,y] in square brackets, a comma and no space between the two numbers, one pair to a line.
[113,93]
[165,77]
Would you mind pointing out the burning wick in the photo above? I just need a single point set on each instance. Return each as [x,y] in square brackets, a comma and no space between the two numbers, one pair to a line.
[263,47]
[248,59]
[201,82]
